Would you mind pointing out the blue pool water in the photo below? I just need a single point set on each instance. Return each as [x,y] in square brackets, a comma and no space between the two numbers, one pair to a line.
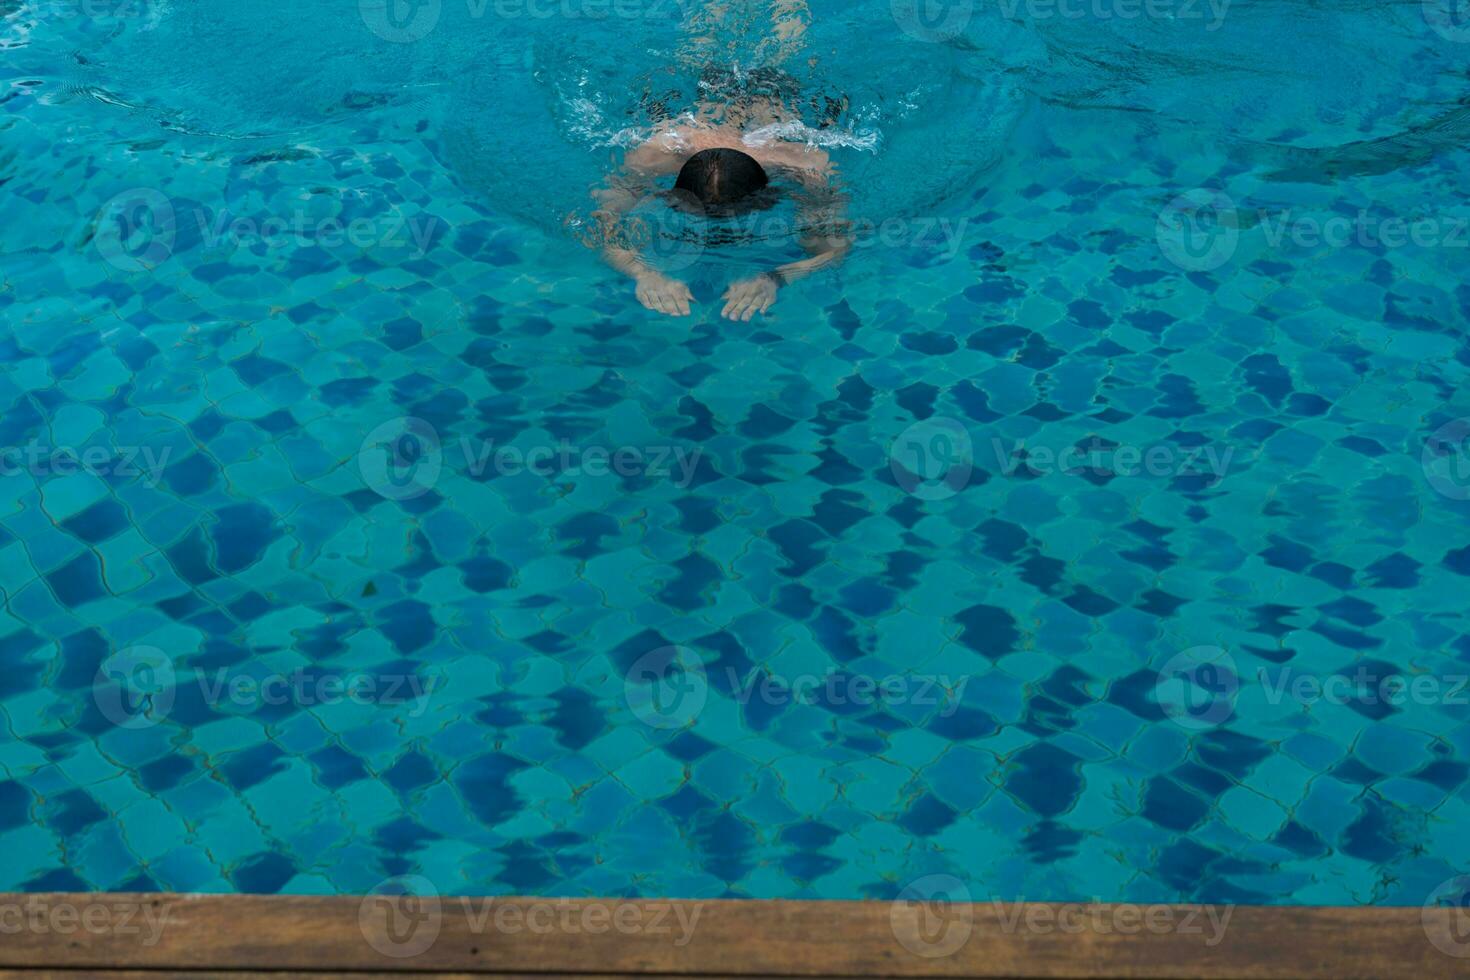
[1096,530]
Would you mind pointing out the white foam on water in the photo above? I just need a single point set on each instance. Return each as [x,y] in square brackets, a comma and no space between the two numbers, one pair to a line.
[586,122]
[795,131]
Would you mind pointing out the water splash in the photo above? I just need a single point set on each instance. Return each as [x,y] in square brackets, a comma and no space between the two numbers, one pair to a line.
[795,131]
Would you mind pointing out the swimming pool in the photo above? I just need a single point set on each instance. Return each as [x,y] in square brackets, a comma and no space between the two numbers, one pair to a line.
[1096,530]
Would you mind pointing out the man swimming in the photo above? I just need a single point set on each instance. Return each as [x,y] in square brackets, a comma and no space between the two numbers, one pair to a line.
[729,160]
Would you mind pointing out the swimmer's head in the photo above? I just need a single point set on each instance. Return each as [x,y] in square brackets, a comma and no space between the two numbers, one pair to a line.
[722,181]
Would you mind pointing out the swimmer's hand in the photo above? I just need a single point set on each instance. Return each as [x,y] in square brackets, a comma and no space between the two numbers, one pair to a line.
[663,294]
[746,298]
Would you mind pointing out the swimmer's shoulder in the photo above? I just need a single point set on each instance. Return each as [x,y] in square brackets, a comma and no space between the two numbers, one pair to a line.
[797,156]
[664,153]
[672,144]
[806,163]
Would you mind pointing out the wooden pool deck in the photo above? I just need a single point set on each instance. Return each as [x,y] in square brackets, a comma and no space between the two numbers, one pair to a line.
[141,936]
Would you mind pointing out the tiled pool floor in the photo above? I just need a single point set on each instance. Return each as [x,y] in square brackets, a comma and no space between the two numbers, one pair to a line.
[264,633]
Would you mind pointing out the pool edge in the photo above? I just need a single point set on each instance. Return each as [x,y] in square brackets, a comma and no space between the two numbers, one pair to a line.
[165,932]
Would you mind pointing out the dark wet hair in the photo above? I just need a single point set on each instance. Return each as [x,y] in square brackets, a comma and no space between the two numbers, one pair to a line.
[723,180]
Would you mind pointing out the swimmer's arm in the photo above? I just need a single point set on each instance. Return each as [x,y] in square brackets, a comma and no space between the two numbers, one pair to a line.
[758,294]
[614,201]
[822,215]
[825,240]
[618,196]
[822,250]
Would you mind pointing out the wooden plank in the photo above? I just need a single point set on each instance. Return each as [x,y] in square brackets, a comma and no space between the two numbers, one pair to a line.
[828,939]
[313,975]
